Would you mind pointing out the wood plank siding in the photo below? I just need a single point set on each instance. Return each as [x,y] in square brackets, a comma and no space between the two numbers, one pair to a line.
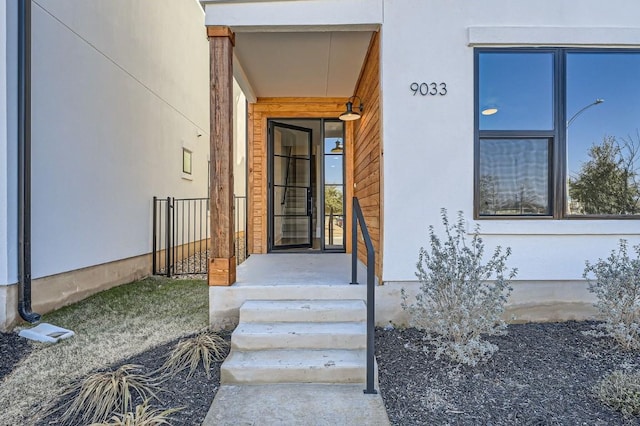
[367,166]
[259,112]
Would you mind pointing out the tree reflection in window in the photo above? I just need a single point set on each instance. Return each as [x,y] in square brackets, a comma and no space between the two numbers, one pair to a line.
[602,156]
[607,184]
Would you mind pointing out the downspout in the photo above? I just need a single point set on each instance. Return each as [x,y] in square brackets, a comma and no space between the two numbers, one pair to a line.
[24,162]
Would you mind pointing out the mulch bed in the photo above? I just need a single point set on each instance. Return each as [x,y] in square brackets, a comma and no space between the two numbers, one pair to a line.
[193,395]
[542,374]
[13,348]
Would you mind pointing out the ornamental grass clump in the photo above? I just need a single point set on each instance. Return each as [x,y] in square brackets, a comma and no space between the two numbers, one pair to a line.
[204,348]
[620,390]
[461,297]
[617,288]
[100,395]
[142,416]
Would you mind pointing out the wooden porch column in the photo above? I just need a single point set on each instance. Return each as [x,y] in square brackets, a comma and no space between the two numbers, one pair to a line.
[222,261]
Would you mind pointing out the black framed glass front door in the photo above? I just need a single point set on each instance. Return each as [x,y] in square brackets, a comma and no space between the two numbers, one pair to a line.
[290,186]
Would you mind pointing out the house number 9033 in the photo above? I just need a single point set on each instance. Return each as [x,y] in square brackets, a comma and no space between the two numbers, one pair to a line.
[428,89]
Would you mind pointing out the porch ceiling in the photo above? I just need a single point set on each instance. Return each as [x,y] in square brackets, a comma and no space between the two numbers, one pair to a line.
[301,64]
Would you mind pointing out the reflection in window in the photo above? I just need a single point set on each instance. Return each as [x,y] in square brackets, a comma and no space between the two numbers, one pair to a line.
[334,185]
[515,91]
[333,199]
[514,177]
[602,133]
[334,215]
[558,132]
[333,170]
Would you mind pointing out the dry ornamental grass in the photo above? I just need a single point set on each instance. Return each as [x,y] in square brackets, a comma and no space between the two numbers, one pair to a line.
[204,347]
[142,416]
[96,397]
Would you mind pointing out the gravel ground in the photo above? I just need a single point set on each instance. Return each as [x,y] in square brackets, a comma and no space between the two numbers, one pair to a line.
[193,395]
[12,349]
[543,374]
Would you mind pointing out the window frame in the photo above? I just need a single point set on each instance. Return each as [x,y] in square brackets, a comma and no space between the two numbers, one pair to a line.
[187,153]
[558,153]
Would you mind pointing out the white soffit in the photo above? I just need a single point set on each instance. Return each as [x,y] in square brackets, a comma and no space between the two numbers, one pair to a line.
[293,13]
[302,64]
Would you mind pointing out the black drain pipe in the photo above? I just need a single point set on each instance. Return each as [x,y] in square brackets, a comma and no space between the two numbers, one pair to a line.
[24,162]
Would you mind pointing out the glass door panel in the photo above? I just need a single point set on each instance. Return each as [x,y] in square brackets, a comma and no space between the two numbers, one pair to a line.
[291,186]
[333,184]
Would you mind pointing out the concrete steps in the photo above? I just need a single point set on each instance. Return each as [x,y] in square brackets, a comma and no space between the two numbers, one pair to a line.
[295,366]
[303,310]
[298,341]
[299,335]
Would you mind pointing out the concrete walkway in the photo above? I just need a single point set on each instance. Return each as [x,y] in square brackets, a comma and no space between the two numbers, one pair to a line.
[296,404]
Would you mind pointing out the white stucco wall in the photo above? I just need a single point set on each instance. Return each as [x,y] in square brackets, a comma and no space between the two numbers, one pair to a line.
[8,147]
[119,88]
[428,141]
[240,154]
[4,210]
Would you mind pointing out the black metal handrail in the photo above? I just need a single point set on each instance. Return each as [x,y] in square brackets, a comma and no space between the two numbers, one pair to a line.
[358,218]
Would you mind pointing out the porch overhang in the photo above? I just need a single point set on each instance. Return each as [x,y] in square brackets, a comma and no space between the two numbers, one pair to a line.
[302,51]
[265,14]
[312,48]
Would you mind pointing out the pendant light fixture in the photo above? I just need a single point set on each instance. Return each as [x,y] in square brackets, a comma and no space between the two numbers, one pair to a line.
[350,114]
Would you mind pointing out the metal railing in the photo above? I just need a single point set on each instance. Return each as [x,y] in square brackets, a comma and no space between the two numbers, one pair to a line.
[358,219]
[181,235]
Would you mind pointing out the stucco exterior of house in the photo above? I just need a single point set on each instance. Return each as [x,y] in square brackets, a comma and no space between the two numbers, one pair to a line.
[118,89]
[426,73]
[488,108]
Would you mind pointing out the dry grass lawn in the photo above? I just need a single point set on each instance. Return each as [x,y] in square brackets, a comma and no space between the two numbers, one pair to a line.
[109,326]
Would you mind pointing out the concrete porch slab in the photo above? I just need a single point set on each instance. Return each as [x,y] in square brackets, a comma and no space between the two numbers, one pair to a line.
[298,269]
[296,404]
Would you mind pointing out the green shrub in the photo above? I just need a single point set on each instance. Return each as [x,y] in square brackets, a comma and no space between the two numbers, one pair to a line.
[620,390]
[617,287]
[460,297]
